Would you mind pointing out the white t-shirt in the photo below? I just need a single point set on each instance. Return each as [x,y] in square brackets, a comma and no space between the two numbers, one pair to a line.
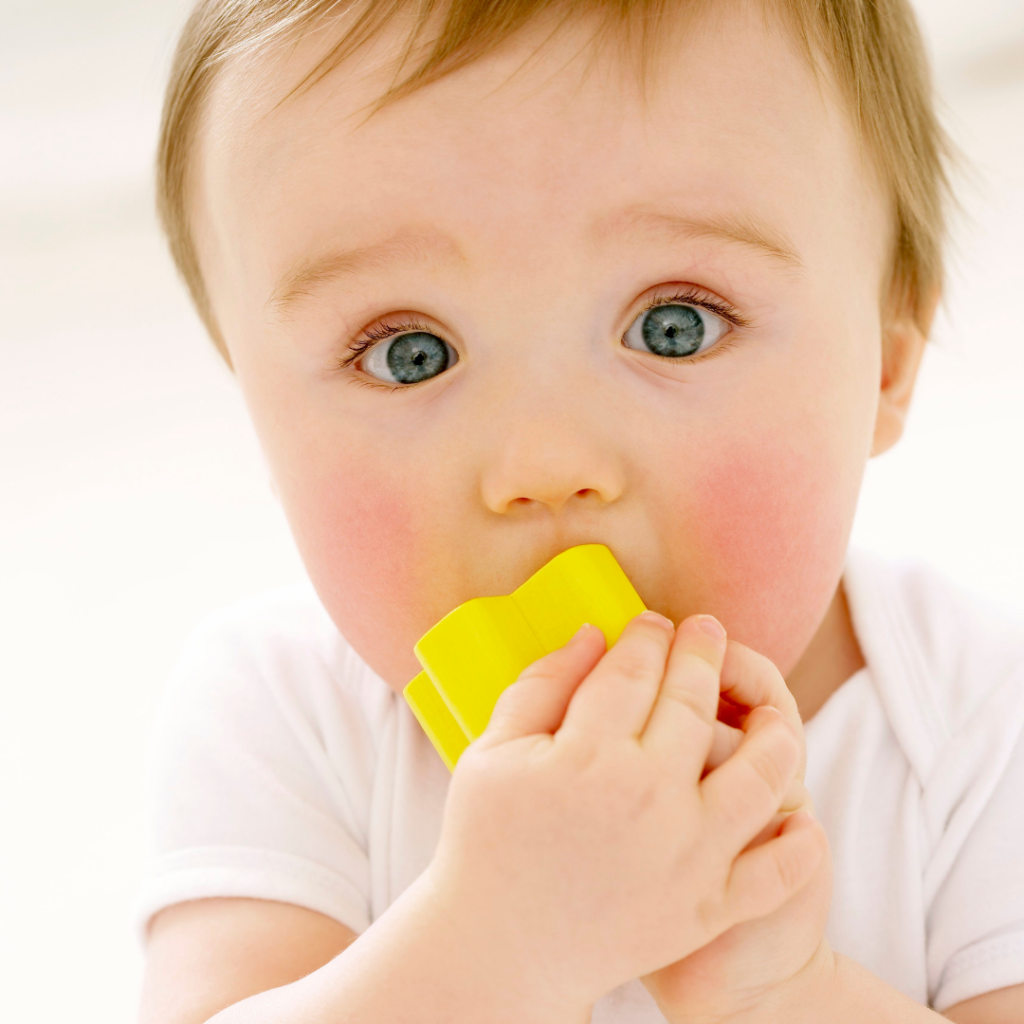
[287,770]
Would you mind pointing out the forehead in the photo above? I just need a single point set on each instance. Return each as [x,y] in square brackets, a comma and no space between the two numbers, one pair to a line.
[533,141]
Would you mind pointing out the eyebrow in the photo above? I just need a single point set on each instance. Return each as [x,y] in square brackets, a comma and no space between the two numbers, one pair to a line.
[311,273]
[737,230]
[307,276]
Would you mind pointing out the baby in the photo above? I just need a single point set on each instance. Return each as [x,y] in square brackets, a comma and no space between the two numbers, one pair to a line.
[500,278]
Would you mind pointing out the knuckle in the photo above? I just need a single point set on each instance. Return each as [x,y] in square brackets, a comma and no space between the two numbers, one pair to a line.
[790,748]
[771,678]
[548,669]
[512,690]
[543,668]
[624,797]
[580,750]
[731,800]
[691,701]
[503,717]
[508,699]
[634,666]
[766,767]
[736,813]
[647,798]
[762,665]
[789,870]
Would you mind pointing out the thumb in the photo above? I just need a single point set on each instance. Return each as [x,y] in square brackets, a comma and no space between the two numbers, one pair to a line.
[536,702]
[764,878]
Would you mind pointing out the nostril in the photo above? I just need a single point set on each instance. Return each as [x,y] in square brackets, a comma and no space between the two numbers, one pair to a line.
[554,500]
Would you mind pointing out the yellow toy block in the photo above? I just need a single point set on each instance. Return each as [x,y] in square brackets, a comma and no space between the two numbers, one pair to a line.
[480,648]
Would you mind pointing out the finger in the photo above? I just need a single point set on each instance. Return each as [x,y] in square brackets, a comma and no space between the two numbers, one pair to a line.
[616,698]
[536,701]
[764,878]
[797,798]
[751,680]
[680,730]
[742,794]
[725,743]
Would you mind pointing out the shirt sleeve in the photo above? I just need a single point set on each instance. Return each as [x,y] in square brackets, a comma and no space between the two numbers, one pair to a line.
[975,919]
[262,771]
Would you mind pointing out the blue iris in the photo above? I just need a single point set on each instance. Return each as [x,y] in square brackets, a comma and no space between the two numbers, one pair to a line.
[415,357]
[673,330]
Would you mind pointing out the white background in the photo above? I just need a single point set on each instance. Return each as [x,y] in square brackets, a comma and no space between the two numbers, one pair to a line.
[133,499]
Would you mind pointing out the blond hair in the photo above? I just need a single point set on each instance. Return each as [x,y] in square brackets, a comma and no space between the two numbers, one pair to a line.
[872,47]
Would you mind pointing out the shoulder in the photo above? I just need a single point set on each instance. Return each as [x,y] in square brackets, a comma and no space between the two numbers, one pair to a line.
[285,620]
[264,761]
[276,652]
[944,663]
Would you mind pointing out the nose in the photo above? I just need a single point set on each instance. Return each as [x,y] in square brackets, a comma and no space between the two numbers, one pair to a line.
[547,460]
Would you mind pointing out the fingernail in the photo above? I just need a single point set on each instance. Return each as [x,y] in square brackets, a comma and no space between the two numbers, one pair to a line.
[711,626]
[656,618]
[765,711]
[580,633]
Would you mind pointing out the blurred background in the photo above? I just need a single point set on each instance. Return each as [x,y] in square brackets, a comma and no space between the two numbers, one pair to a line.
[133,498]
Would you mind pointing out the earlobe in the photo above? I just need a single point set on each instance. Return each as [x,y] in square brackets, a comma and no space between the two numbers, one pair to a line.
[904,337]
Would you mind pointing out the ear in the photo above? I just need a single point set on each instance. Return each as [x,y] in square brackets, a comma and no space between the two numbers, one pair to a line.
[904,334]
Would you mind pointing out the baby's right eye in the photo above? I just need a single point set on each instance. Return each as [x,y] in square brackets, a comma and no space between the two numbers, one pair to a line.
[409,358]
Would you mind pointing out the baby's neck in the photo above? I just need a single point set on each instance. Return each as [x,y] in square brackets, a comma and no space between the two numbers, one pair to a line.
[830,659]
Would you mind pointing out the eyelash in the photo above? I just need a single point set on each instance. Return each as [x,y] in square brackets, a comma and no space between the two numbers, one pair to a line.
[371,336]
[693,295]
[690,296]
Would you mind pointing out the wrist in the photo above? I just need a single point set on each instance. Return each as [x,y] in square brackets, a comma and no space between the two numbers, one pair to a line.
[834,988]
[497,967]
[812,987]
[803,998]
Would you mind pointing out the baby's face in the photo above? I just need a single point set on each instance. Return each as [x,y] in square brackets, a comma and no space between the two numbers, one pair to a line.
[650,321]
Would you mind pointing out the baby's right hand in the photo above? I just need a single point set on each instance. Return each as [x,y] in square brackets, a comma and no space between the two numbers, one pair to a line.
[580,843]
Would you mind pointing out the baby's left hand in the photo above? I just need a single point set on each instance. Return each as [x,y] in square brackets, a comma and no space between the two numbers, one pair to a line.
[749,966]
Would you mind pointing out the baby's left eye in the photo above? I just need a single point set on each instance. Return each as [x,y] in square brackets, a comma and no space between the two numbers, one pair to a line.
[675,330]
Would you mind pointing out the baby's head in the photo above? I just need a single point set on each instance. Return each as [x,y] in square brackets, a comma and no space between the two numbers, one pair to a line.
[498,278]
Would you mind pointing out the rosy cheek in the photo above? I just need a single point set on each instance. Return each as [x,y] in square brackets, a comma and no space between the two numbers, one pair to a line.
[359,535]
[768,535]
